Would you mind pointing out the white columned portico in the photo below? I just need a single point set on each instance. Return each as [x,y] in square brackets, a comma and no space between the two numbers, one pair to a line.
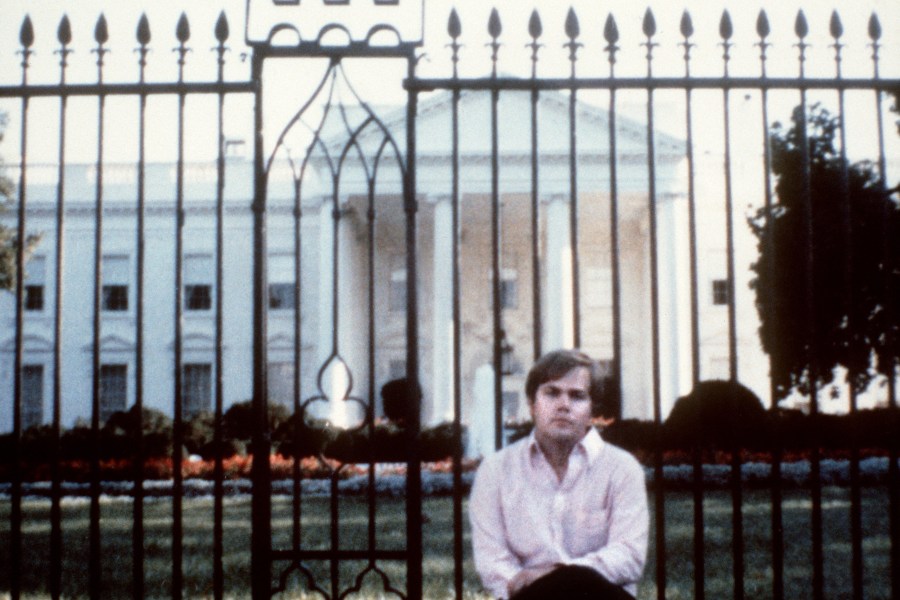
[558,318]
[442,309]
[335,380]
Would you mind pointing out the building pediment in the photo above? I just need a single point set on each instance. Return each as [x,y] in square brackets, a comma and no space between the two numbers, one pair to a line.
[30,342]
[111,343]
[434,127]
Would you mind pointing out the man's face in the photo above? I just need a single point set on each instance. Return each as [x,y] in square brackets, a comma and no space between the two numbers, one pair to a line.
[561,409]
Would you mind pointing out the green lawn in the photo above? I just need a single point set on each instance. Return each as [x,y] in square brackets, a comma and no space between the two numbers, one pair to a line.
[438,566]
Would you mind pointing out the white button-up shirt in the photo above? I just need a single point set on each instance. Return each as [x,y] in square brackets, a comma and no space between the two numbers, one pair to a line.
[523,516]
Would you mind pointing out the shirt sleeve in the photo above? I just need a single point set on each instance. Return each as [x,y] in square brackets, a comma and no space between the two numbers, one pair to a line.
[622,559]
[495,561]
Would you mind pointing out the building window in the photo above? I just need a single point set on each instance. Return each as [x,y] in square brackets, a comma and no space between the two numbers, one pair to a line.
[113,389]
[115,298]
[34,297]
[509,289]
[720,291]
[281,282]
[34,284]
[398,290]
[32,395]
[397,369]
[197,297]
[281,296]
[197,389]
[281,383]
[115,283]
[198,273]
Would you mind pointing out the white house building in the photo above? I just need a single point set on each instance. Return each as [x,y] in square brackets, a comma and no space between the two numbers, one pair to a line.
[340,329]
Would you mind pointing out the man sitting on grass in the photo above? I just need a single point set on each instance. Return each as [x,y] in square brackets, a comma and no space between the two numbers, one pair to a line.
[561,513]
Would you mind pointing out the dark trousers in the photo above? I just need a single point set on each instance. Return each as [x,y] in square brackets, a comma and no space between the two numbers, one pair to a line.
[573,582]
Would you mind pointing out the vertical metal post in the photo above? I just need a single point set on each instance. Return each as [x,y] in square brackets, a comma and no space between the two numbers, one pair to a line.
[611,35]
[261,536]
[769,267]
[182,33]
[649,27]
[455,30]
[848,241]
[221,32]
[94,564]
[818,580]
[414,465]
[687,30]
[494,28]
[572,31]
[64,34]
[535,30]
[137,535]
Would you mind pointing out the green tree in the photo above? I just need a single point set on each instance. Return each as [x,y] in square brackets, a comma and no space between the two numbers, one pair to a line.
[854,316]
[8,238]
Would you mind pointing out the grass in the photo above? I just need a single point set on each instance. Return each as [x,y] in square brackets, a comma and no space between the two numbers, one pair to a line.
[116,523]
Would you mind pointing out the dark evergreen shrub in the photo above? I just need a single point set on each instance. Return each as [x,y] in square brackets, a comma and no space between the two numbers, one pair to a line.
[238,421]
[633,435]
[398,403]
[720,414]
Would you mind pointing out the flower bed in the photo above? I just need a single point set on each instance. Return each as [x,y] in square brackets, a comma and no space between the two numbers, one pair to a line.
[319,479]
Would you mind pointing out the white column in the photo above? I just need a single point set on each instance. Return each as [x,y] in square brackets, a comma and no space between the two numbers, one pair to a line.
[335,380]
[353,314]
[558,318]
[674,292]
[442,309]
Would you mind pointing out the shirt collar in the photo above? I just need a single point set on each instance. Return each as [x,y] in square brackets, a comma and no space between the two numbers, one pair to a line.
[590,445]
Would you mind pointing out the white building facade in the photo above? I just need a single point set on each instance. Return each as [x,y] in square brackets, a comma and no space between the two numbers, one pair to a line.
[358,261]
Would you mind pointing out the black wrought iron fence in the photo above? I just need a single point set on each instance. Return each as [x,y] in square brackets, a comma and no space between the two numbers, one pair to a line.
[583,208]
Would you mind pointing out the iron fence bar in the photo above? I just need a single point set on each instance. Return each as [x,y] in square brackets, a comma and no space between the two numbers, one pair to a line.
[649,27]
[334,535]
[261,503]
[182,34]
[124,89]
[218,582]
[573,225]
[137,532]
[572,31]
[737,522]
[777,527]
[537,329]
[55,584]
[499,335]
[457,327]
[611,35]
[94,564]
[699,561]
[414,465]
[801,30]
[848,299]
[431,84]
[370,307]
[27,38]
[296,500]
